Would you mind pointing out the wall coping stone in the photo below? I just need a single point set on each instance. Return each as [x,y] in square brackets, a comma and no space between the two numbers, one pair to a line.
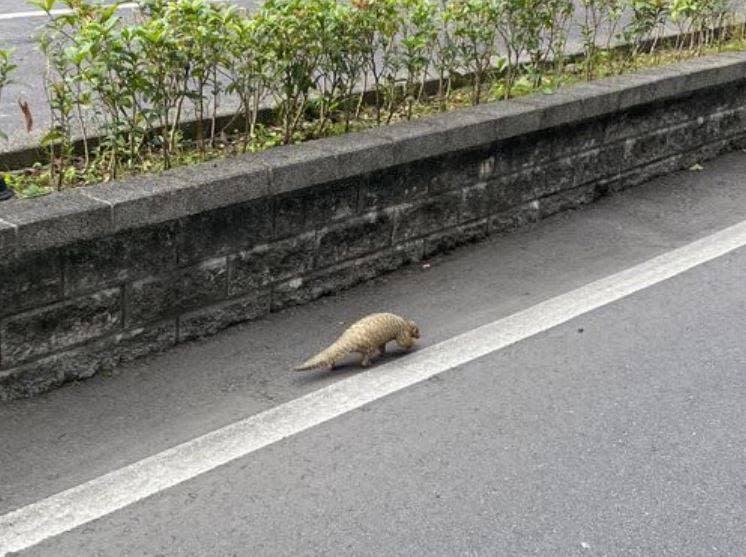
[28,225]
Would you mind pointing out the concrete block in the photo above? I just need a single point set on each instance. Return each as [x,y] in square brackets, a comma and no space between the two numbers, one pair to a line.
[268,263]
[358,153]
[422,218]
[208,321]
[453,237]
[293,167]
[222,231]
[55,220]
[180,192]
[129,255]
[30,281]
[38,332]
[301,290]
[416,139]
[312,208]
[155,299]
[354,238]
[85,361]
[7,240]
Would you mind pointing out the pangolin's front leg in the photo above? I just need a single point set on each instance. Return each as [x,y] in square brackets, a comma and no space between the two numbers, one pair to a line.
[405,340]
[365,357]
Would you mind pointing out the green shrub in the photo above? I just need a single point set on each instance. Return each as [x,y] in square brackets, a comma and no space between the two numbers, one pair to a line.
[6,70]
[136,82]
[474,25]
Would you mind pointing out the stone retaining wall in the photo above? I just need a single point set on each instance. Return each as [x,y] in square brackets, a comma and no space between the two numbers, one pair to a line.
[104,274]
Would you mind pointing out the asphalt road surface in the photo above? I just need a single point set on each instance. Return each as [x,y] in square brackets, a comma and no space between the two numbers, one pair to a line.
[579,390]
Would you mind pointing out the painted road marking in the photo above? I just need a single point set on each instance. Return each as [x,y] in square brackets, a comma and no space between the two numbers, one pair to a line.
[60,11]
[104,495]
[65,11]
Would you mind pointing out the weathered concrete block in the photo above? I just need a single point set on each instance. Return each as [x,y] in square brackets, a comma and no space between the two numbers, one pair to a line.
[268,263]
[530,183]
[597,164]
[55,220]
[661,144]
[713,71]
[133,254]
[644,173]
[416,139]
[304,289]
[41,331]
[109,352]
[154,299]
[354,238]
[7,240]
[398,184]
[479,126]
[142,200]
[508,191]
[457,236]
[30,281]
[646,119]
[632,123]
[227,230]
[208,321]
[358,153]
[299,166]
[725,124]
[643,87]
[516,217]
[704,153]
[568,199]
[511,120]
[84,362]
[311,208]
[459,170]
[430,215]
[574,105]
[686,138]
[533,150]
[645,149]
[30,380]
[549,178]
[477,202]
[659,84]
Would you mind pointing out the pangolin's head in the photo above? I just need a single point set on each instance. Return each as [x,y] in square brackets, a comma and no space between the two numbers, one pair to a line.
[414,330]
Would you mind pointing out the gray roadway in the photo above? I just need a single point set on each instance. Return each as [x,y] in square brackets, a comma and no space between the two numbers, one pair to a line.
[622,432]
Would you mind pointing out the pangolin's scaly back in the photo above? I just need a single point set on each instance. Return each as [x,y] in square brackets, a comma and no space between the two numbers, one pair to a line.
[374,330]
[364,335]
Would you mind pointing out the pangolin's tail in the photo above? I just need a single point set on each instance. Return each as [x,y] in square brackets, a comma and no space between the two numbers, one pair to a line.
[326,358]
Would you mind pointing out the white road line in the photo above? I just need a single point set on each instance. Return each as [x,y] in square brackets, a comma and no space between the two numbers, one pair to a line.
[60,11]
[69,509]
[65,11]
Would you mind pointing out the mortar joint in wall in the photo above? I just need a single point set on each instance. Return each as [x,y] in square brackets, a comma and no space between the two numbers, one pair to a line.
[106,202]
[487,167]
[314,255]
[123,303]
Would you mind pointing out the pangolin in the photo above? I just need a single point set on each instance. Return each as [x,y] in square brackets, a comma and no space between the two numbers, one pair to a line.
[366,337]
